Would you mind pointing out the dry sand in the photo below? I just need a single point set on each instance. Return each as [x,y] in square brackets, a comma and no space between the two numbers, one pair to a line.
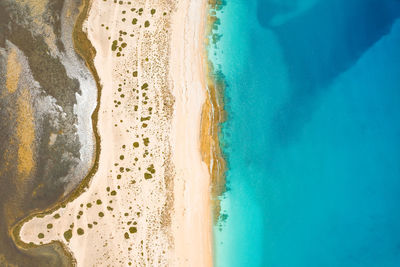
[149,202]
[192,225]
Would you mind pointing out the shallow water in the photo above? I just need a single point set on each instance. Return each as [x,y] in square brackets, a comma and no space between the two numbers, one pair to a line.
[312,136]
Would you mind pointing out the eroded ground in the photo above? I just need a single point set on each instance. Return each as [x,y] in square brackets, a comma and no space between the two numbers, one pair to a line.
[46,98]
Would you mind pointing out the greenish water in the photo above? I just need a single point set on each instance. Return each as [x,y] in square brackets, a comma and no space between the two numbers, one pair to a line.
[312,138]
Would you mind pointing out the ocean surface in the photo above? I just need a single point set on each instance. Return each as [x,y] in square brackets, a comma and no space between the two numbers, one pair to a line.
[312,137]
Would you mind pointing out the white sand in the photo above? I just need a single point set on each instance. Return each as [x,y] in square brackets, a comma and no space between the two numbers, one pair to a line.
[192,219]
[141,226]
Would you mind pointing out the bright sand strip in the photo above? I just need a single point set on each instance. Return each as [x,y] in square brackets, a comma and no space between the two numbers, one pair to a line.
[192,226]
[149,202]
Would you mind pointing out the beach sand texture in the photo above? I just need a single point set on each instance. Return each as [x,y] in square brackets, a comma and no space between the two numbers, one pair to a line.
[148,204]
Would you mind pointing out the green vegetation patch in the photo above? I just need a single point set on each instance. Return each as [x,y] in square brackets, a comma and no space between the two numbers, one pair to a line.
[80,231]
[114,45]
[146,141]
[151,169]
[145,118]
[68,235]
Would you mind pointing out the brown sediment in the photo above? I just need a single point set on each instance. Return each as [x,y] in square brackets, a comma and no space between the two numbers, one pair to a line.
[13,71]
[37,12]
[85,49]
[37,7]
[19,162]
[213,114]
[26,134]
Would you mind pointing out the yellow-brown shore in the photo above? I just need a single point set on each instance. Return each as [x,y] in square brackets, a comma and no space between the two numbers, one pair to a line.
[213,114]
[147,199]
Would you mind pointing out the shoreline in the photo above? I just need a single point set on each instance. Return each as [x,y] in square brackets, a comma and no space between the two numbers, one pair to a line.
[193,238]
[213,114]
[211,110]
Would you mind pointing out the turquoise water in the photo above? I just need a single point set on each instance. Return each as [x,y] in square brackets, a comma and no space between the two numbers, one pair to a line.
[312,138]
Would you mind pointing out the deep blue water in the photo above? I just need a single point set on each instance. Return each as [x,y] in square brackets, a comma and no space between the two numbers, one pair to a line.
[312,138]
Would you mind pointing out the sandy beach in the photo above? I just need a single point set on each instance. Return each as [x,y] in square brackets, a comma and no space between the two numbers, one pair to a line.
[148,204]
[192,223]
